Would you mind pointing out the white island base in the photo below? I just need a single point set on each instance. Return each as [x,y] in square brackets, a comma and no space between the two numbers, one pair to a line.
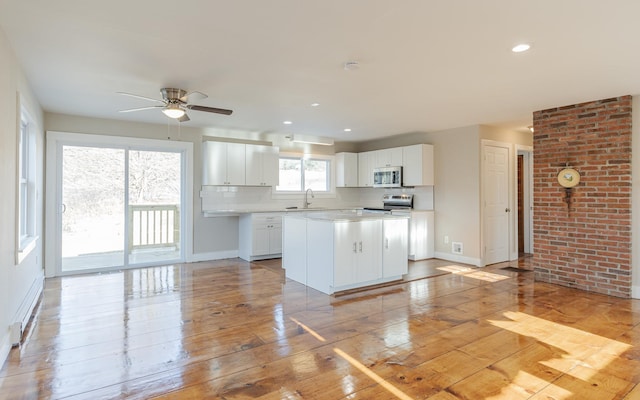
[336,251]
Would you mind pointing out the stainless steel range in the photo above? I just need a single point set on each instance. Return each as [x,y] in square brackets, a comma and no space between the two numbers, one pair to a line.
[393,202]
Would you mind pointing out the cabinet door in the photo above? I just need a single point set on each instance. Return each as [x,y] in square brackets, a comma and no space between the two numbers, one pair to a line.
[253,163]
[394,248]
[346,253]
[417,162]
[261,165]
[214,162]
[369,238]
[346,169]
[365,169]
[260,245]
[270,166]
[395,157]
[275,239]
[236,163]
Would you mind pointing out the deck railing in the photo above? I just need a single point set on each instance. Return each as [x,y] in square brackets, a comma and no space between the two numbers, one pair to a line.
[153,226]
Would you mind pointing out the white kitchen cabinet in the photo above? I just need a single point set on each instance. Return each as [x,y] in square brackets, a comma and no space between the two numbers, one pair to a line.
[260,236]
[357,252]
[343,255]
[365,168]
[223,163]
[395,248]
[417,165]
[338,251]
[261,165]
[388,157]
[346,169]
[421,238]
[294,243]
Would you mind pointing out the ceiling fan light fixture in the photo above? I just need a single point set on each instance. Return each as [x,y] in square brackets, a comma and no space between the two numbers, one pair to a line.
[173,111]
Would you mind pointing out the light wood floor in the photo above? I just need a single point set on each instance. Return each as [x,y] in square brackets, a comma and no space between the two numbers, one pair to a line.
[234,330]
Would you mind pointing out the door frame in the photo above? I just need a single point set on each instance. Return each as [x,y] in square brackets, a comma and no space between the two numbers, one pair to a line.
[53,204]
[512,221]
[527,153]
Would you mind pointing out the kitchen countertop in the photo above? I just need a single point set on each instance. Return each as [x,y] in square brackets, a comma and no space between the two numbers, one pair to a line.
[232,212]
[342,216]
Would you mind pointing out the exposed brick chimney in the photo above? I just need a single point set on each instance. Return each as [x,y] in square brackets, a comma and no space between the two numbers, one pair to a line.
[589,245]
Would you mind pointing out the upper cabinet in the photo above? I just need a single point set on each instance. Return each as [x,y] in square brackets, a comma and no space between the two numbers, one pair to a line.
[346,169]
[223,163]
[388,157]
[239,164]
[261,165]
[366,161]
[417,165]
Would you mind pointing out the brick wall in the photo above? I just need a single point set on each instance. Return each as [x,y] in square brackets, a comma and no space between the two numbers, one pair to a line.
[589,247]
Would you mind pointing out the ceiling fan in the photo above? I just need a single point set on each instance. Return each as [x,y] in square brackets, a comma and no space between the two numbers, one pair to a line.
[175,103]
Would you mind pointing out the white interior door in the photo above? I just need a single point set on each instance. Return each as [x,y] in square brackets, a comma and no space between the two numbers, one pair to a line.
[496,204]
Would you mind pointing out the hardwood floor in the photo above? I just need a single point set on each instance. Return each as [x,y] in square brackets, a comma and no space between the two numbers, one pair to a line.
[234,330]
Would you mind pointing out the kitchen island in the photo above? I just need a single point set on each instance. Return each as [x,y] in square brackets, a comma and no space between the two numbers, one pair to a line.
[336,251]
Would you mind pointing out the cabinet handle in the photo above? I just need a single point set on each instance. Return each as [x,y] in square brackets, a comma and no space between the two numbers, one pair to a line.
[386,243]
[354,247]
[360,247]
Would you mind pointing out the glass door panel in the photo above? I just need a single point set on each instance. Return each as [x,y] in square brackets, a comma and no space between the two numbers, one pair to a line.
[154,207]
[92,208]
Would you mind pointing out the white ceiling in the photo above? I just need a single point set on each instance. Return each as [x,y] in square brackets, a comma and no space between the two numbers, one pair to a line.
[424,65]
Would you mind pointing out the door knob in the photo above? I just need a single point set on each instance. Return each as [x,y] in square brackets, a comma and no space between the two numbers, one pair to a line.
[507,210]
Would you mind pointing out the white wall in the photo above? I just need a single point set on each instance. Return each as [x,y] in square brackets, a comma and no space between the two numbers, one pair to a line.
[457,192]
[16,281]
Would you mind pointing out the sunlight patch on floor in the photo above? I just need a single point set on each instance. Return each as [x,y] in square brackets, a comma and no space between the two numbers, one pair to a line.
[473,273]
[574,345]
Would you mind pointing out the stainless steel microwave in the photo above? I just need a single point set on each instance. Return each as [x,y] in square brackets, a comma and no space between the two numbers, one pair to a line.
[387,177]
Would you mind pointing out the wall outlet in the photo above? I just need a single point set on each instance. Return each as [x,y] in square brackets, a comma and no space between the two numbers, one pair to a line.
[456,247]
[446,239]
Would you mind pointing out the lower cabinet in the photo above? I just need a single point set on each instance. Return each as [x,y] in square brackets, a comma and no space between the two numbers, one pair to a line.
[395,244]
[357,252]
[260,236]
[335,255]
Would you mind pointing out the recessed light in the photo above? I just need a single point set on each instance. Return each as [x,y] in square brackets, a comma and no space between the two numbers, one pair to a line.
[315,104]
[347,129]
[287,122]
[519,48]
[351,65]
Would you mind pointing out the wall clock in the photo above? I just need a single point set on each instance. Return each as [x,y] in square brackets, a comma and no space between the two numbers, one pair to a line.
[568,177]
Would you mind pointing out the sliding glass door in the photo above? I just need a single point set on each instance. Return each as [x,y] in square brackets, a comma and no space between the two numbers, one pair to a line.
[153,221]
[117,204]
[92,229]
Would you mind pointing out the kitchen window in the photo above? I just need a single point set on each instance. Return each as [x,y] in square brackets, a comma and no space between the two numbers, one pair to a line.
[299,173]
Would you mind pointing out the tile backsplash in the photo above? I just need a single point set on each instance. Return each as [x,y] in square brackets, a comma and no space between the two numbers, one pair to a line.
[248,198]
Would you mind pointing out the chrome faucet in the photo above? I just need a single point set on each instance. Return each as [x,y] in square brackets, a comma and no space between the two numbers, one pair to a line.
[306,198]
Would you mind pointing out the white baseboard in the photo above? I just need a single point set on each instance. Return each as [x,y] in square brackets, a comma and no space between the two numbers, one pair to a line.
[635,292]
[21,319]
[458,258]
[217,255]
[5,347]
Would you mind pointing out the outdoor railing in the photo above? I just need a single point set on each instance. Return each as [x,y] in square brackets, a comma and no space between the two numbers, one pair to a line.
[152,226]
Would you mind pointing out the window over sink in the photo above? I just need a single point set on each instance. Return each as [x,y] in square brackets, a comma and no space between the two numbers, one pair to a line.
[299,173]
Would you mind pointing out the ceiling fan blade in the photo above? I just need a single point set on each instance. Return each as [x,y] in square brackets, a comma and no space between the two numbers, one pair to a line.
[209,109]
[196,96]
[184,118]
[142,108]
[141,97]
